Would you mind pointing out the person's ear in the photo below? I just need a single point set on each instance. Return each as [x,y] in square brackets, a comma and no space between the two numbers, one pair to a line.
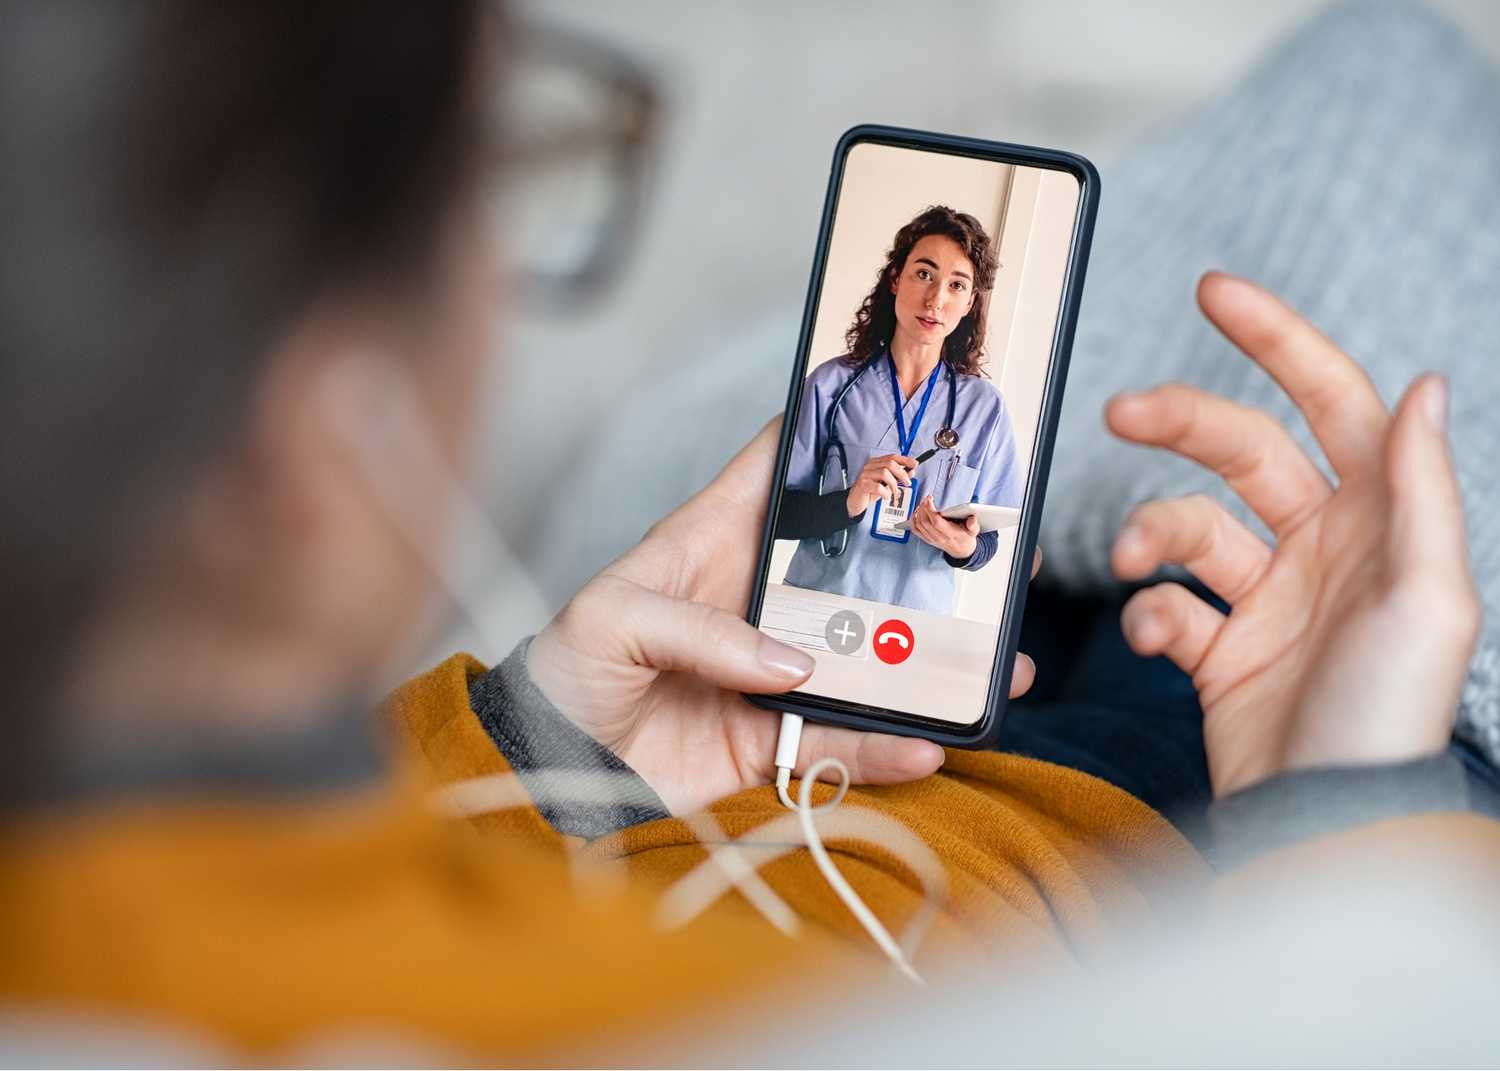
[261,518]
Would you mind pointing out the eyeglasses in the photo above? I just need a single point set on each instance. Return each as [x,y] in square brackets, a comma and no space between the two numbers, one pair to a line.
[578,124]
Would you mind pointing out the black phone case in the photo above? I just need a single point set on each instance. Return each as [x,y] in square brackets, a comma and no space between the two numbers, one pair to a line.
[985,732]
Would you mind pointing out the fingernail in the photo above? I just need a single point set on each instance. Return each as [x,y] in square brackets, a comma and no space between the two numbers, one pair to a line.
[1435,403]
[784,660]
[1126,399]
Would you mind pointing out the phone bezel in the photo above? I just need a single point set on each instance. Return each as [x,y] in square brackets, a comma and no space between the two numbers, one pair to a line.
[983,732]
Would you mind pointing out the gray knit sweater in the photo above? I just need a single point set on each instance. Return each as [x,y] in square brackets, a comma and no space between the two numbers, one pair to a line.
[1356,174]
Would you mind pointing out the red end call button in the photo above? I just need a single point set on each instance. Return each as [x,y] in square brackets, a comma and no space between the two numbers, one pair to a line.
[893,642]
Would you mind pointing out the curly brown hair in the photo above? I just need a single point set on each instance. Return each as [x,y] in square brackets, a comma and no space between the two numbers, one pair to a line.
[875,322]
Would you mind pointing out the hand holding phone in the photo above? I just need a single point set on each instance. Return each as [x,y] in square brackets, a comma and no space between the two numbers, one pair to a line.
[652,657]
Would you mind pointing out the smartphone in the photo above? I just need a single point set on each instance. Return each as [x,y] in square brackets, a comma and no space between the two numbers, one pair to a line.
[929,376]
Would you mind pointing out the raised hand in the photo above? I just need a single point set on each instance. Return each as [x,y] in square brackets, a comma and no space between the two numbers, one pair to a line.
[1347,641]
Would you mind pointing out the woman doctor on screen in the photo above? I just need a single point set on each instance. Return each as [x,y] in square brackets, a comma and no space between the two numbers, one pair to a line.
[910,387]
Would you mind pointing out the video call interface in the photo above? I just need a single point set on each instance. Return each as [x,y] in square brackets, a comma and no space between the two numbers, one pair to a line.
[913,438]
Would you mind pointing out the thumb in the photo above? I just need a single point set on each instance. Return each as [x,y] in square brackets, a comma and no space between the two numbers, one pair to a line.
[1427,542]
[676,635]
[971,524]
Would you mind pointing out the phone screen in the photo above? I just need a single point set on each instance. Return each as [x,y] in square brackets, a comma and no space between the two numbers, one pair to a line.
[914,426]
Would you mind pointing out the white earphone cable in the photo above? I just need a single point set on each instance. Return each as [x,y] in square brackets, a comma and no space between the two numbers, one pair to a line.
[788,741]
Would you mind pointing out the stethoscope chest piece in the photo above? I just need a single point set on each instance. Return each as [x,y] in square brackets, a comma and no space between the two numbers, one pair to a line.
[946,438]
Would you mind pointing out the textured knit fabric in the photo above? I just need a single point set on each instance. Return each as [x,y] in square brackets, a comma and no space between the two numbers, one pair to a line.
[539,743]
[1354,174]
[1310,803]
[359,918]
[269,923]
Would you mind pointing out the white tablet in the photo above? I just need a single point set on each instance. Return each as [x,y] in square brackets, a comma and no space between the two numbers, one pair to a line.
[991,518]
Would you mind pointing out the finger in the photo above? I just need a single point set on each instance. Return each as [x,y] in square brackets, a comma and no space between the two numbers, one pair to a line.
[872,758]
[899,473]
[1338,399]
[1023,676]
[900,460]
[1196,533]
[1427,541]
[971,524]
[1254,454]
[675,635]
[945,526]
[1036,562]
[1170,620]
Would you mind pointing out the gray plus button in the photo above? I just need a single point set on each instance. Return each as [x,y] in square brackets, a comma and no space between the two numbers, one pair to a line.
[845,632]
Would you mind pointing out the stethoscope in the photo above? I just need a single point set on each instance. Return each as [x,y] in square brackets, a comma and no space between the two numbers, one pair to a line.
[945,439]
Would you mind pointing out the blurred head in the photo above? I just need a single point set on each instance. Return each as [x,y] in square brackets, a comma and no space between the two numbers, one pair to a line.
[934,287]
[212,212]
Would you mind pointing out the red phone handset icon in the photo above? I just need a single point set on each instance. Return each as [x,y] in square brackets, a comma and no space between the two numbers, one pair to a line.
[893,642]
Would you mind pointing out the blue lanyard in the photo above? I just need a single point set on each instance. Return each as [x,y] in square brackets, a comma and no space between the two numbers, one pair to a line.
[901,437]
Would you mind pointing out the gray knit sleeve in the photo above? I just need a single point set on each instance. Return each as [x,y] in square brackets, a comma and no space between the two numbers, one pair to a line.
[1309,803]
[581,787]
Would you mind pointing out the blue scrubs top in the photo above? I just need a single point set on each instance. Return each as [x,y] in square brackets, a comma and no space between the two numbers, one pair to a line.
[913,574]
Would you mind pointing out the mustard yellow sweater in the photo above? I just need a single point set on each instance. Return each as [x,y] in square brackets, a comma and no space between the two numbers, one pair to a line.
[273,924]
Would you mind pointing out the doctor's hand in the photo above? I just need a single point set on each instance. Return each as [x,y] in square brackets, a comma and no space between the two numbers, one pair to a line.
[1349,639]
[878,479]
[651,658]
[958,538]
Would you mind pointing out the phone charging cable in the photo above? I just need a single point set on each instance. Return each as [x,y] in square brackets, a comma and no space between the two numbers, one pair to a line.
[787,743]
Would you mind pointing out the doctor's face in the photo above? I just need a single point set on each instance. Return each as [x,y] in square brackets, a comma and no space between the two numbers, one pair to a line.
[934,291]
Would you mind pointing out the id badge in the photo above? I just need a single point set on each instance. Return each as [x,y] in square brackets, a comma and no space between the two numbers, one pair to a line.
[889,522]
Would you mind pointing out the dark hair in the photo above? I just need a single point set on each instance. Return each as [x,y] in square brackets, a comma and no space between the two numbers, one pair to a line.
[875,322]
[180,181]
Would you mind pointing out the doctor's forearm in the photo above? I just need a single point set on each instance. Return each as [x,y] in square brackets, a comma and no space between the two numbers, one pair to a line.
[805,515]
